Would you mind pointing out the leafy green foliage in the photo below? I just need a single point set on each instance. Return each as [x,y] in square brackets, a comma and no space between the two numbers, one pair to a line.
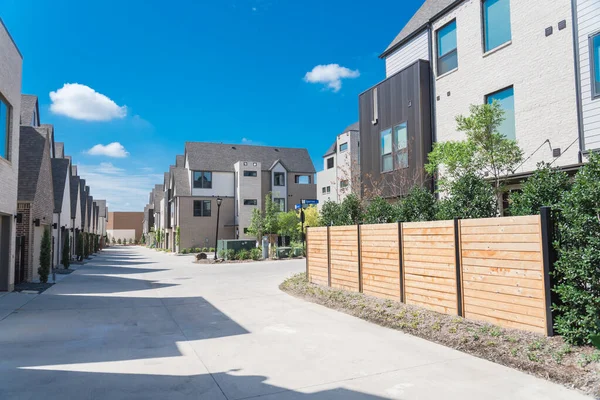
[256,226]
[330,213]
[80,244]
[66,253]
[177,236]
[288,224]
[351,210]
[418,205]
[577,272]
[256,253]
[45,256]
[311,217]
[86,245]
[243,254]
[119,241]
[545,188]
[271,222]
[379,211]
[469,196]
[456,157]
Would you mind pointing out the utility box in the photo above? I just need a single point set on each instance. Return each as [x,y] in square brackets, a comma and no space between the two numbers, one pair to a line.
[235,245]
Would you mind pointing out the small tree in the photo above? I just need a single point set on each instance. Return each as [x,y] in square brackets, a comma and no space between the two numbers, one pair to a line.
[379,211]
[45,256]
[351,211]
[114,241]
[271,223]
[119,241]
[311,218]
[418,205]
[177,237]
[545,188]
[130,241]
[66,254]
[80,246]
[86,245]
[143,239]
[470,196]
[257,224]
[330,213]
[288,224]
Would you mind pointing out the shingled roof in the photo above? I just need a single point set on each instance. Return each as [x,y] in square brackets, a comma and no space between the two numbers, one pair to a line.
[180,161]
[60,170]
[83,199]
[74,193]
[31,150]
[182,182]
[222,157]
[59,150]
[159,194]
[101,208]
[428,11]
[29,106]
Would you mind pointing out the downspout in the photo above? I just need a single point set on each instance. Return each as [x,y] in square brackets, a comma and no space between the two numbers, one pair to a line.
[433,98]
[577,80]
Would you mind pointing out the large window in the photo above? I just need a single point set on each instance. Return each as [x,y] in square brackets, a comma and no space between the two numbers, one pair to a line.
[250,173]
[302,179]
[595,57]
[324,189]
[344,183]
[330,163]
[343,147]
[4,130]
[401,145]
[496,23]
[201,208]
[202,180]
[280,203]
[387,160]
[279,179]
[250,202]
[506,99]
[447,54]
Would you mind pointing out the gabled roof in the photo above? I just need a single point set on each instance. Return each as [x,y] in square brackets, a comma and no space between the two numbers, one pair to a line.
[60,171]
[331,150]
[101,208]
[29,106]
[74,195]
[182,182]
[31,150]
[166,180]
[278,161]
[222,157]
[353,127]
[74,169]
[159,194]
[180,161]
[59,149]
[428,11]
[83,199]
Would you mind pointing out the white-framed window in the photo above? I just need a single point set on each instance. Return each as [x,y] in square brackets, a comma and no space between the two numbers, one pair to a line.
[202,180]
[387,159]
[344,183]
[343,147]
[506,99]
[496,23]
[447,53]
[595,64]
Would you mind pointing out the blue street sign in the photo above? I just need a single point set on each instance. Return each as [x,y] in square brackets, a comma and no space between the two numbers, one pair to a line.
[298,206]
[310,201]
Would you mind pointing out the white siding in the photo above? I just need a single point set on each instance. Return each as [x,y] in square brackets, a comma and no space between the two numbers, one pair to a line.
[588,23]
[222,185]
[415,49]
[540,69]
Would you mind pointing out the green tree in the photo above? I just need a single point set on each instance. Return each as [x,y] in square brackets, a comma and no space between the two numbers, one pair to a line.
[256,227]
[544,188]
[469,196]
[271,222]
[66,254]
[287,223]
[86,245]
[311,218]
[351,211]
[80,246]
[330,213]
[418,205]
[114,241]
[577,272]
[119,241]
[45,256]
[379,211]
[177,236]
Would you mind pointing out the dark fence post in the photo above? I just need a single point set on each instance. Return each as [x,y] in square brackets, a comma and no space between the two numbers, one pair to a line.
[328,259]
[549,257]
[457,256]
[306,251]
[360,283]
[400,264]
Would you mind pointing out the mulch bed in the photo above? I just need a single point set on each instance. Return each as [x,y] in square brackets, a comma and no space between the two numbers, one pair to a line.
[548,358]
[62,271]
[31,286]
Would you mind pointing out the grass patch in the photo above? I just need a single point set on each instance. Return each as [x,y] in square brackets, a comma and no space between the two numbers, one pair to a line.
[548,358]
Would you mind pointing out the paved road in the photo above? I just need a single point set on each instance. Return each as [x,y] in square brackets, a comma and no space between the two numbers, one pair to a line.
[136,324]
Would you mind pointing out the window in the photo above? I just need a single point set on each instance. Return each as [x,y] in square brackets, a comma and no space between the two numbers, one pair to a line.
[250,173]
[280,203]
[401,145]
[375,107]
[447,53]
[330,163]
[387,162]
[250,202]
[496,23]
[201,208]
[202,180]
[595,62]
[279,179]
[303,179]
[328,189]
[324,189]
[344,184]
[343,147]
[4,130]
[505,98]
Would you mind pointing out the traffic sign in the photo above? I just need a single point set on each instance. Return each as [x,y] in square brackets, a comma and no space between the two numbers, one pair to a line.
[298,206]
[310,201]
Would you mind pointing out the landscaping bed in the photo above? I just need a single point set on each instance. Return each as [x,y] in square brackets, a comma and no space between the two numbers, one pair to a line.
[33,287]
[548,358]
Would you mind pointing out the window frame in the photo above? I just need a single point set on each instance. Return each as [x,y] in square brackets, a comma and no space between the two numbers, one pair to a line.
[297,179]
[396,149]
[324,190]
[7,153]
[328,189]
[391,153]
[250,202]
[437,48]
[486,101]
[202,208]
[344,184]
[250,174]
[281,202]
[202,181]
[332,163]
[275,174]
[593,65]
[345,147]
[483,30]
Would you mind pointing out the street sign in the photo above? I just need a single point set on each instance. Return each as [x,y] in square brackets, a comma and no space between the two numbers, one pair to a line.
[310,201]
[298,206]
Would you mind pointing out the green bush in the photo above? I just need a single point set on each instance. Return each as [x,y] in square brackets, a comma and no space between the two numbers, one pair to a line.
[418,205]
[80,244]
[119,241]
[545,188]
[379,211]
[66,254]
[114,241]
[297,249]
[184,251]
[469,196]
[577,272]
[204,249]
[256,253]
[45,256]
[243,255]
[211,250]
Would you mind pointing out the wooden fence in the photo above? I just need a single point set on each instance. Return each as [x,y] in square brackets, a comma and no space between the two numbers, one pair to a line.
[493,269]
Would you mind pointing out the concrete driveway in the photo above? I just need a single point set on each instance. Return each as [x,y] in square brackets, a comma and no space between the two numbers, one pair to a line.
[136,324]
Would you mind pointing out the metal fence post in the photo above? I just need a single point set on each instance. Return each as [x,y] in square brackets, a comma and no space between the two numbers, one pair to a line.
[360,283]
[457,256]
[549,257]
[306,252]
[401,264]
[328,258]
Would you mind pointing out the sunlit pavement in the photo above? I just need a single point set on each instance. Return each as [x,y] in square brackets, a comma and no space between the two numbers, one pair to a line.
[137,324]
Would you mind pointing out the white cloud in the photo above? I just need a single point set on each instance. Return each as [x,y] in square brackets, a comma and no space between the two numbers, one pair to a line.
[253,8]
[246,141]
[115,150]
[123,189]
[84,103]
[330,75]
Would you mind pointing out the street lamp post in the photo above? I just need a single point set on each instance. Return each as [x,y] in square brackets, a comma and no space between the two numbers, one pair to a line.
[219,201]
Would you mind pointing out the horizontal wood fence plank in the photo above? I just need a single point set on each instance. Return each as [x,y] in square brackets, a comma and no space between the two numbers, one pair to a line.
[508,307]
[525,220]
[499,229]
[502,238]
[523,247]
[503,255]
[515,291]
[504,280]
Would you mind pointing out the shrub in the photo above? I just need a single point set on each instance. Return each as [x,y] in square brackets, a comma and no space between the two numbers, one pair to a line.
[184,251]
[66,258]
[297,248]
[230,254]
[80,244]
[212,250]
[243,255]
[469,196]
[577,275]
[45,256]
[256,253]
[86,245]
[119,241]
[222,254]
[114,241]
[544,188]
[379,211]
[418,205]
[204,249]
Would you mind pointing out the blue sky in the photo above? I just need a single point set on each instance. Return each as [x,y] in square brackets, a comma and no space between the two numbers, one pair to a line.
[153,74]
